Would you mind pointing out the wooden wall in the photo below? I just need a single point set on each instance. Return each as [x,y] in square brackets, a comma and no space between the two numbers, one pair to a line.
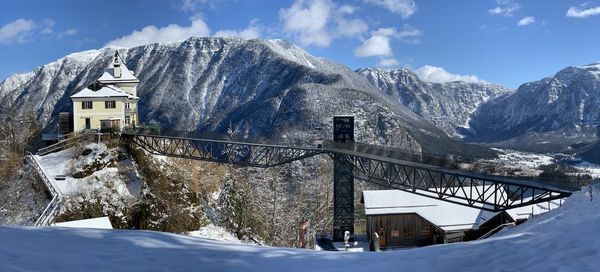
[403,230]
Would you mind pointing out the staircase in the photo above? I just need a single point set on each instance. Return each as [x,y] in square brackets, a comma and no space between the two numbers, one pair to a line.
[53,208]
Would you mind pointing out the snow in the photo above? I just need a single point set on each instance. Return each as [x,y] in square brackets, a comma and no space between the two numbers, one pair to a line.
[94,223]
[126,75]
[213,232]
[588,168]
[522,159]
[448,216]
[106,183]
[564,239]
[106,91]
[84,56]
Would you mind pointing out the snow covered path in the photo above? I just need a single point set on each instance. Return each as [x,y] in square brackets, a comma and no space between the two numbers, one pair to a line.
[564,239]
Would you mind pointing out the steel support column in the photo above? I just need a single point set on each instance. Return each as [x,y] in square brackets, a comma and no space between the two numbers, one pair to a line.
[343,197]
[343,180]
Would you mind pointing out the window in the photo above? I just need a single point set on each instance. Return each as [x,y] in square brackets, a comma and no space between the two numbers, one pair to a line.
[110,104]
[127,120]
[425,230]
[86,105]
[127,106]
[409,233]
[88,123]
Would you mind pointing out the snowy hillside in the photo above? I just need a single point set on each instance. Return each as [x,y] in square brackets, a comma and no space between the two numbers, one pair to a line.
[560,240]
[546,115]
[446,105]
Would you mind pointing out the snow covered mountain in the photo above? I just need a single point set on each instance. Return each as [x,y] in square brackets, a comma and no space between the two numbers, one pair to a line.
[446,105]
[546,115]
[250,88]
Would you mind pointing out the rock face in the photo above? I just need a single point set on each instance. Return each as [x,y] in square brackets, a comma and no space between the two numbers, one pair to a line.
[547,115]
[248,89]
[446,105]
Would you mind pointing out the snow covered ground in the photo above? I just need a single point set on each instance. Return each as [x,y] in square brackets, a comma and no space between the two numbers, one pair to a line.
[213,232]
[564,239]
[588,168]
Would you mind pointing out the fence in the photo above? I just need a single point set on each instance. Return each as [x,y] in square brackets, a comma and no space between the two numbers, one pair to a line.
[53,207]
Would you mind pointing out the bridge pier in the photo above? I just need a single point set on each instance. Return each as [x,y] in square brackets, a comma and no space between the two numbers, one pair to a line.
[343,180]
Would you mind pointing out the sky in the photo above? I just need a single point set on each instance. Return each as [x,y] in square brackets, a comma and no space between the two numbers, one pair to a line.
[508,42]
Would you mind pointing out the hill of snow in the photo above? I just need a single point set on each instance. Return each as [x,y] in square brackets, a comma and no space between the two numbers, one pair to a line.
[564,239]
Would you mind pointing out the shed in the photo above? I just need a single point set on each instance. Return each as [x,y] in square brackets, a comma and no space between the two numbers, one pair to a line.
[404,219]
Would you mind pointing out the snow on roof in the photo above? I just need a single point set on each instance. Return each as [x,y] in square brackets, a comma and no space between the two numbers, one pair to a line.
[94,223]
[524,213]
[105,91]
[447,216]
[126,75]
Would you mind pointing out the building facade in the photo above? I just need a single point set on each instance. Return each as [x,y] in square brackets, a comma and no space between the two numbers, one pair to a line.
[110,104]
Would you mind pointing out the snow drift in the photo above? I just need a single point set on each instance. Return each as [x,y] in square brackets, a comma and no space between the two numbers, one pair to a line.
[561,240]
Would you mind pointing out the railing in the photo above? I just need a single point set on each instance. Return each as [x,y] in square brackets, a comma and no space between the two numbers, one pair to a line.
[495,230]
[70,141]
[53,207]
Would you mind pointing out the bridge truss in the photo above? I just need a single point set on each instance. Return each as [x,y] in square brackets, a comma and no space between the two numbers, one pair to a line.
[469,189]
[243,154]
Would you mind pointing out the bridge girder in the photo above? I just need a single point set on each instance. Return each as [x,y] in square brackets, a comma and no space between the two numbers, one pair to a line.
[486,193]
[242,154]
[483,192]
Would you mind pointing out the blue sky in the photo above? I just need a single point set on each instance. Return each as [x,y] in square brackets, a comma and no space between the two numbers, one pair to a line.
[509,42]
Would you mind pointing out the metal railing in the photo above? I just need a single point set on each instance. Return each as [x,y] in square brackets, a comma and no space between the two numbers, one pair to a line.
[52,209]
[68,142]
[496,230]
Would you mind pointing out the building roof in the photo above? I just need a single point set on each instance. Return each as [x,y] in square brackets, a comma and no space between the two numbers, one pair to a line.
[105,91]
[94,223]
[447,216]
[126,75]
[524,213]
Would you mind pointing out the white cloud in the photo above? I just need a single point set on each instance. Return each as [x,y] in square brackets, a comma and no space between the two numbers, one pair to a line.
[405,8]
[349,28]
[48,26]
[71,31]
[196,5]
[308,21]
[17,31]
[505,8]
[251,32]
[575,12]
[153,34]
[378,45]
[526,21]
[439,75]
[388,62]
[319,22]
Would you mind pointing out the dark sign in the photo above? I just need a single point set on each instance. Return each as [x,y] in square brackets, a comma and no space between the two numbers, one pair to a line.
[343,128]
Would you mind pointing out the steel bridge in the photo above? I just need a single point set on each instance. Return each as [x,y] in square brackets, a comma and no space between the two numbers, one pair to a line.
[483,192]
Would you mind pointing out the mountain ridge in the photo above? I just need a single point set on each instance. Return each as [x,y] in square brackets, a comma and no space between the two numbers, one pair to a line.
[251,88]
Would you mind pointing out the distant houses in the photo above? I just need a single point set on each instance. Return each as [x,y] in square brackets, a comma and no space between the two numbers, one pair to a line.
[397,219]
[110,104]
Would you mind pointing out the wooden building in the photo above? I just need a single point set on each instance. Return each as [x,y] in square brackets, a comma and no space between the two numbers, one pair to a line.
[399,219]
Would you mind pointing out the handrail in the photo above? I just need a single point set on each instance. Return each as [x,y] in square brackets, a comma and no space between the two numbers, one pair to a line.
[495,230]
[63,144]
[53,207]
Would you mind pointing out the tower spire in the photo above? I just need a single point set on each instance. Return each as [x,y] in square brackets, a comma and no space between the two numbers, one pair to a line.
[117,65]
